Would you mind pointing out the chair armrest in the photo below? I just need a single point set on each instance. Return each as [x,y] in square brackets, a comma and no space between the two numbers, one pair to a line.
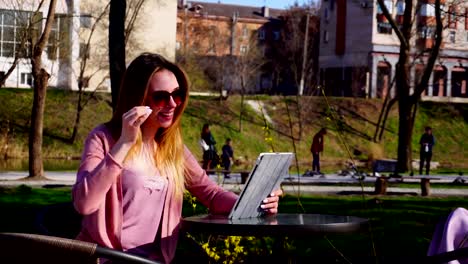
[34,248]
[459,253]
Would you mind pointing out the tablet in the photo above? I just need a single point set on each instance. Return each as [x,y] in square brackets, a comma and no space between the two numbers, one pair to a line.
[265,176]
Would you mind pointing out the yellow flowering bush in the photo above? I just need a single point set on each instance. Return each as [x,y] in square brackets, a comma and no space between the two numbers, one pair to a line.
[234,249]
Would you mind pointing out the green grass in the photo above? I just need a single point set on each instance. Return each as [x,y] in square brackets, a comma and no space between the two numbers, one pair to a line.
[400,226]
[351,123]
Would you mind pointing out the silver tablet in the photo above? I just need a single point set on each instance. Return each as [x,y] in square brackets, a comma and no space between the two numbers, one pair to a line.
[266,176]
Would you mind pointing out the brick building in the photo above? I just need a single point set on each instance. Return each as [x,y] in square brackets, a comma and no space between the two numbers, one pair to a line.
[359,50]
[221,34]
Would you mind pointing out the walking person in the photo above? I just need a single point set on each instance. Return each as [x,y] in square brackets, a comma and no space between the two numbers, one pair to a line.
[135,168]
[210,155]
[227,157]
[426,143]
[316,148]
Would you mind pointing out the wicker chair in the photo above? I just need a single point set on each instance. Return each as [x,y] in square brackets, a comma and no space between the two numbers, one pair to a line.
[460,254]
[33,248]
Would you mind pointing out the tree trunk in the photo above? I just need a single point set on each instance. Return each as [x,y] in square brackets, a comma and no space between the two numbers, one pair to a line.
[41,80]
[405,105]
[36,169]
[116,46]
[404,134]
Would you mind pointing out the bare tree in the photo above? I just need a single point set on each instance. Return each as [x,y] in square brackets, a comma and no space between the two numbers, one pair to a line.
[296,55]
[246,68]
[407,101]
[41,79]
[82,80]
[93,67]
[131,15]
[289,61]
[85,74]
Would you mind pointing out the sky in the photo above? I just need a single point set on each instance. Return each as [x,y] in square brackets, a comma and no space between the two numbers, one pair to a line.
[281,4]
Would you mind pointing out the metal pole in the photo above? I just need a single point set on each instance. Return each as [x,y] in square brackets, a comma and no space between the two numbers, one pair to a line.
[304,56]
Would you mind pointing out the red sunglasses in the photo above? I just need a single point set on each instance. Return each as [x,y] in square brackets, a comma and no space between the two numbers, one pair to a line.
[162,98]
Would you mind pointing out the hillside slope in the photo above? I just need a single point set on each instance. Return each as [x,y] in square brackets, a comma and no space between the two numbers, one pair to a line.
[351,124]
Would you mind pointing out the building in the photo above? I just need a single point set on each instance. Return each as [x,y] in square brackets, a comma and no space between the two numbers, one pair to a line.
[221,36]
[359,50]
[78,42]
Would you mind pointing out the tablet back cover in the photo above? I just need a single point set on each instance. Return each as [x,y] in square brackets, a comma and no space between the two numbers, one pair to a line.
[266,176]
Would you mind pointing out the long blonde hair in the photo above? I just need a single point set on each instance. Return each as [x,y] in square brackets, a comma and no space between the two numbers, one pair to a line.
[169,150]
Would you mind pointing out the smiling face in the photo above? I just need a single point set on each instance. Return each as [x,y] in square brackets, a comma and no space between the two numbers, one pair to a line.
[163,98]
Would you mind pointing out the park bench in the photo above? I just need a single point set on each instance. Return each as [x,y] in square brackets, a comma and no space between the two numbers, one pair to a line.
[388,165]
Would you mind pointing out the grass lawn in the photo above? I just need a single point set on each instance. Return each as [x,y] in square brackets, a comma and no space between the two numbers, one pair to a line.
[401,226]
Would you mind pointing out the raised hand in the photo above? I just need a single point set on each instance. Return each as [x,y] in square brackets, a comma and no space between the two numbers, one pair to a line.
[131,122]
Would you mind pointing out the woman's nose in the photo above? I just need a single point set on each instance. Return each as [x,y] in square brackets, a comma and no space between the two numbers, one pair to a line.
[171,102]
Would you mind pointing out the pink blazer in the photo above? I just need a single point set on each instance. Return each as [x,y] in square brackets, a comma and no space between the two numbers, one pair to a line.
[97,195]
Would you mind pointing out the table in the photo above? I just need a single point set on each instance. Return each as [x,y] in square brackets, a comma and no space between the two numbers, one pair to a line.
[278,226]
[294,225]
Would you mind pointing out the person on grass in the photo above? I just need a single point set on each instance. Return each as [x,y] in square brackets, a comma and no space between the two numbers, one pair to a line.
[210,155]
[316,148]
[426,144]
[227,157]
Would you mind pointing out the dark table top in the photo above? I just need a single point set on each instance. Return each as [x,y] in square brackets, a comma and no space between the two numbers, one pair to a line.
[275,225]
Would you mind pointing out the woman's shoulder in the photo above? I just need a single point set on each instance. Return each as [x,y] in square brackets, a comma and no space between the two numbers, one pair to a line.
[101,131]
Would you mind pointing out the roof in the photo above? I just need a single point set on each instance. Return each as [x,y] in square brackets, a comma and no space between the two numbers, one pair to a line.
[227,10]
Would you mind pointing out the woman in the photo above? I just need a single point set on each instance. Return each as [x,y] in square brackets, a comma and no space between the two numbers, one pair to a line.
[209,155]
[135,168]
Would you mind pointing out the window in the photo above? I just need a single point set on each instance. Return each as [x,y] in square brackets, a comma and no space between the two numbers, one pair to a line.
[52,45]
[58,45]
[426,32]
[384,28]
[261,34]
[400,8]
[211,48]
[325,36]
[196,47]
[276,35]
[177,45]
[245,32]
[84,51]
[427,10]
[85,21]
[16,32]
[26,78]
[452,17]
[388,5]
[326,16]
[243,49]
[452,37]
[213,35]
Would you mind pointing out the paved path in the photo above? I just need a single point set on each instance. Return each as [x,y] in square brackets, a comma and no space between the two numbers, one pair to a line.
[292,185]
